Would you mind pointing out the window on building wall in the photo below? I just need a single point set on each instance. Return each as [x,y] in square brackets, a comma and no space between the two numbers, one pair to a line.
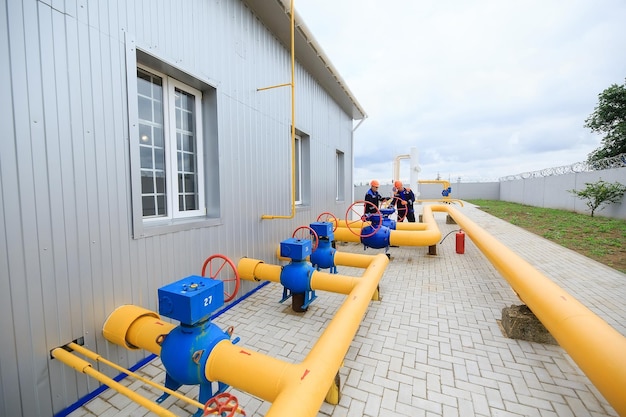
[303,170]
[340,179]
[170,147]
[298,162]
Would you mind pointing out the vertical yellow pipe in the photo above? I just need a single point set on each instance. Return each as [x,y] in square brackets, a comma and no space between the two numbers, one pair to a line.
[597,348]
[293,121]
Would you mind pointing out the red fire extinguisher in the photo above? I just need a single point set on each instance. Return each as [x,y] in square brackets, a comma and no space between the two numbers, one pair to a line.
[460,242]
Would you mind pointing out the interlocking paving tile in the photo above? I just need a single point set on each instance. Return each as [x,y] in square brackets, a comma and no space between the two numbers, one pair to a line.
[432,346]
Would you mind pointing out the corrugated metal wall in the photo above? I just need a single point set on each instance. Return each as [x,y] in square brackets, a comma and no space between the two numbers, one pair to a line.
[67,254]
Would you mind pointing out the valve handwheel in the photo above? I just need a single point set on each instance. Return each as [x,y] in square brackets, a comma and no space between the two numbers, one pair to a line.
[328,217]
[364,220]
[223,404]
[398,202]
[304,233]
[216,264]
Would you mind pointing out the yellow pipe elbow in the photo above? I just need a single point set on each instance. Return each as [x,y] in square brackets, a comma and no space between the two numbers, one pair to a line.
[118,325]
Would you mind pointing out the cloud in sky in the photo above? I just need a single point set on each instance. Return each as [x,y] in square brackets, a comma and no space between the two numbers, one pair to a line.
[482,89]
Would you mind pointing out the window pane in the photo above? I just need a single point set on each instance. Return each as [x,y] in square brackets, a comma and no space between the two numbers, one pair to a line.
[145,134]
[158,112]
[148,205]
[190,183]
[188,144]
[144,84]
[160,182]
[147,182]
[145,108]
[298,167]
[151,143]
[159,158]
[146,157]
[179,118]
[161,207]
[186,151]
[157,132]
[189,162]
[190,202]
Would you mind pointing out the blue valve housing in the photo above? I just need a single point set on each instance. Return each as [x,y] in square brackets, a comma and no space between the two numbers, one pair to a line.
[191,300]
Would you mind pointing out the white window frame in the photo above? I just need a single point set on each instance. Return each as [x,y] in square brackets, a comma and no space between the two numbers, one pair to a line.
[298,169]
[340,175]
[170,85]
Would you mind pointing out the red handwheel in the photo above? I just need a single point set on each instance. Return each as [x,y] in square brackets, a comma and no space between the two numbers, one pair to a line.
[358,208]
[328,217]
[304,233]
[230,276]
[223,404]
[399,206]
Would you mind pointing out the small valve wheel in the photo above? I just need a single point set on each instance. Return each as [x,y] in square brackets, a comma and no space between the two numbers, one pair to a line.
[400,207]
[223,404]
[216,264]
[330,218]
[304,233]
[364,219]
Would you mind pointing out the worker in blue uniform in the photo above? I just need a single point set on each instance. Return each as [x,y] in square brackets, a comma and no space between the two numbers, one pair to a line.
[373,196]
[403,200]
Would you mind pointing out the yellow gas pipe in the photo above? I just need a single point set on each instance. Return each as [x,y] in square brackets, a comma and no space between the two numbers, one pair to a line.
[357,224]
[294,389]
[255,270]
[82,366]
[298,389]
[404,235]
[292,84]
[597,348]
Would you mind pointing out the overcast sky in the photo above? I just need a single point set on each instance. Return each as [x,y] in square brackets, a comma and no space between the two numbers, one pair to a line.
[482,88]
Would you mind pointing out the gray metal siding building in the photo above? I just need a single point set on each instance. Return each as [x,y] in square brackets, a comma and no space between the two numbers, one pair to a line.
[89,221]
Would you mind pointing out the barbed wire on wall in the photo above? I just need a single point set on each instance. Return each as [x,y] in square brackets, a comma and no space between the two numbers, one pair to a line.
[617,161]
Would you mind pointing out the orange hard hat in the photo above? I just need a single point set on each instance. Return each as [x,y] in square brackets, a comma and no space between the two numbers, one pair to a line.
[397,184]
[374,183]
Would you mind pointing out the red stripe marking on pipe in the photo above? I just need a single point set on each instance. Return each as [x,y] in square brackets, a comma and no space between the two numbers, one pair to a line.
[306,372]
[245,353]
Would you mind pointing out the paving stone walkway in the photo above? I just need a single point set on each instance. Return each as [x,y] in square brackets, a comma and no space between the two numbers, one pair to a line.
[432,346]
